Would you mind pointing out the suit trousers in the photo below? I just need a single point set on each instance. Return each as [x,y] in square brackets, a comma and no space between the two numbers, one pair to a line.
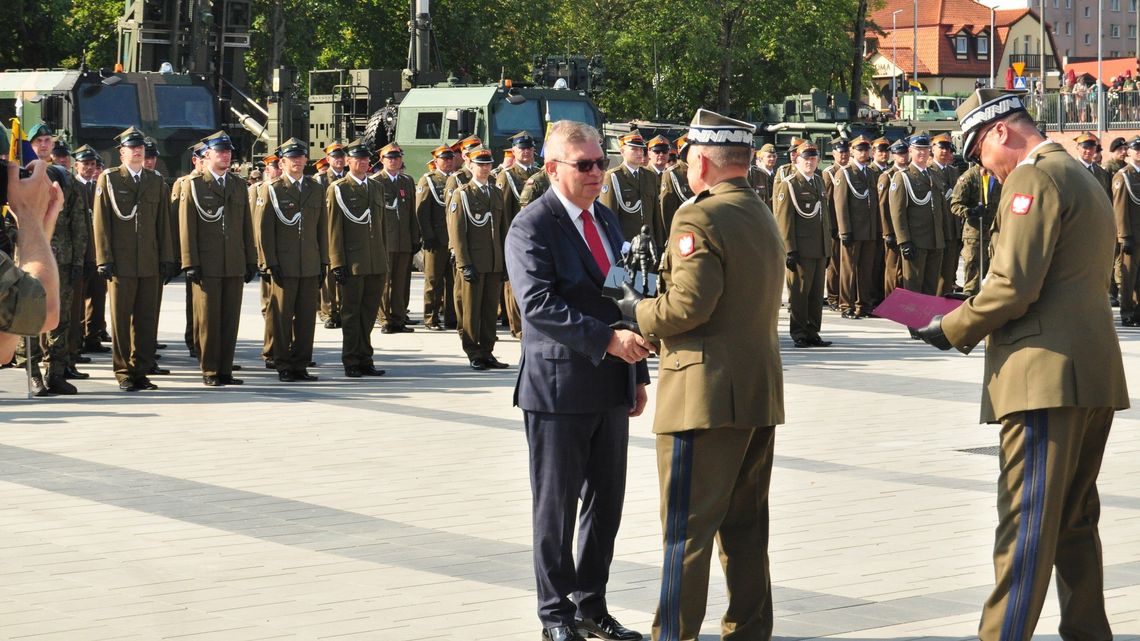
[292,317]
[217,309]
[359,304]
[833,273]
[330,298]
[95,309]
[949,271]
[478,319]
[133,324]
[974,273]
[575,457]
[1129,283]
[439,288]
[1048,511]
[857,276]
[892,269]
[714,485]
[922,273]
[805,296]
[397,290]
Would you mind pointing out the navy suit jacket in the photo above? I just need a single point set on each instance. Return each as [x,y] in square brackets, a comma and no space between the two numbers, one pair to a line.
[566,317]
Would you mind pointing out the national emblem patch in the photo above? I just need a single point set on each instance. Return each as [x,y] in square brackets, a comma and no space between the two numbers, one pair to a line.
[1020,204]
[605,189]
[686,244]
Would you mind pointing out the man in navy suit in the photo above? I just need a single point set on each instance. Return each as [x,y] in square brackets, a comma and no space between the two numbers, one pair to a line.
[579,383]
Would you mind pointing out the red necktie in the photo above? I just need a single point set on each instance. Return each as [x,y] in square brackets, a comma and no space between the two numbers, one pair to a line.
[594,242]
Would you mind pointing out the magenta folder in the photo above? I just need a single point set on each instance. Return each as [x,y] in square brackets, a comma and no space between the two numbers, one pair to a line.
[913,309]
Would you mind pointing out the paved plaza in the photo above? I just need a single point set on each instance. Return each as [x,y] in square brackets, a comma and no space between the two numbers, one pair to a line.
[398,508]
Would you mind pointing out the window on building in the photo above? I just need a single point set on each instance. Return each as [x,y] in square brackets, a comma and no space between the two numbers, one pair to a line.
[1131,5]
[983,46]
[961,46]
[1088,39]
[1055,3]
[1114,31]
[1088,11]
[1068,4]
[1114,5]
[1068,28]
[1131,31]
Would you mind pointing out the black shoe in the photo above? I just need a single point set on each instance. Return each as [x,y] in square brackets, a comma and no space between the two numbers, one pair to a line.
[82,360]
[389,329]
[1114,301]
[562,633]
[370,370]
[158,357]
[158,371]
[39,390]
[143,382]
[352,371]
[194,354]
[434,327]
[303,375]
[404,329]
[330,324]
[801,342]
[236,368]
[211,381]
[230,380]
[269,364]
[1128,322]
[127,385]
[607,627]
[850,313]
[72,373]
[478,364]
[833,306]
[104,336]
[285,376]
[312,363]
[160,345]
[914,335]
[95,347]
[56,384]
[451,325]
[819,342]
[495,363]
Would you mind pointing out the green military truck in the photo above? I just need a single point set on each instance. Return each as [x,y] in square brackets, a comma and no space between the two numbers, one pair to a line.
[91,107]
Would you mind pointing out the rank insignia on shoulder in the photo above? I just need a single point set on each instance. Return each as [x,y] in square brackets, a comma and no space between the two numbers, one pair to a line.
[1020,204]
[686,244]
[605,189]
[894,186]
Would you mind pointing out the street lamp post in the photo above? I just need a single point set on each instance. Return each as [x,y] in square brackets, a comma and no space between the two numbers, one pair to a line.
[914,74]
[1099,69]
[895,58]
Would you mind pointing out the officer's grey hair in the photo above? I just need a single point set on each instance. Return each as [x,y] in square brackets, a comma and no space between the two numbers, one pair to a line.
[726,156]
[568,132]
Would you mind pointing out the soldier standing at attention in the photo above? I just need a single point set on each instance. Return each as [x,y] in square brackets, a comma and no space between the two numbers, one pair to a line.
[892,260]
[675,187]
[196,163]
[272,172]
[534,187]
[1086,153]
[294,242]
[840,155]
[330,293]
[402,235]
[942,155]
[975,200]
[762,173]
[788,168]
[857,213]
[475,230]
[359,257]
[632,193]
[659,150]
[803,219]
[916,213]
[431,214]
[460,176]
[1053,371]
[1126,205]
[133,252]
[93,319]
[217,249]
[510,183]
[716,323]
[150,162]
[880,162]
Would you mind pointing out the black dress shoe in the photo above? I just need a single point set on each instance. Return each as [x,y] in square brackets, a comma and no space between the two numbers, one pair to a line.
[312,363]
[194,354]
[160,345]
[607,627]
[230,380]
[269,364]
[303,375]
[478,364]
[95,347]
[389,329]
[352,371]
[236,368]
[82,360]
[159,371]
[1128,322]
[370,370]
[850,313]
[57,385]
[127,385]
[451,325]
[330,324]
[72,373]
[434,327]
[801,342]
[211,381]
[495,363]
[562,633]
[819,342]
[285,376]
[143,382]
[104,336]
[404,329]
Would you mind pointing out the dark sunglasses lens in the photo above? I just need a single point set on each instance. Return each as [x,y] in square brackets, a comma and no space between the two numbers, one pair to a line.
[585,166]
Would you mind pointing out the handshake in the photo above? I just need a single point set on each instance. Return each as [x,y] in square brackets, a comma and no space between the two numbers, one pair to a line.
[627,343]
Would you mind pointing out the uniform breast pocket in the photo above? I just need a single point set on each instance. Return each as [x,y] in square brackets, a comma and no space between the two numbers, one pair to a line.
[678,357]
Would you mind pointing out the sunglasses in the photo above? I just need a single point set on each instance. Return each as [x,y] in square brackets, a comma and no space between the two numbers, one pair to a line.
[586,166]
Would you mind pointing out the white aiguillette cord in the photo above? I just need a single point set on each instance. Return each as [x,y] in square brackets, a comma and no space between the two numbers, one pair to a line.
[363,219]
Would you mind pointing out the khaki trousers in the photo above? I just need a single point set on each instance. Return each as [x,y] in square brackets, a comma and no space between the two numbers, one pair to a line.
[923,272]
[397,290]
[217,310]
[477,304]
[134,324]
[439,288]
[856,283]
[359,304]
[292,317]
[805,298]
[948,278]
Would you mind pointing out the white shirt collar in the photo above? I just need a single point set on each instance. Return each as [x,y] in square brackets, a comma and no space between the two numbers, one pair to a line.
[858,164]
[359,181]
[522,166]
[765,170]
[632,170]
[390,176]
[477,183]
[574,210]
[134,174]
[294,182]
[218,177]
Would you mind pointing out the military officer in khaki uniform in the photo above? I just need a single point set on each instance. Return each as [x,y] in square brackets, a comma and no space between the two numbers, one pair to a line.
[857,214]
[1118,153]
[658,151]
[942,155]
[840,155]
[294,243]
[1087,145]
[511,182]
[674,187]
[534,187]
[789,168]
[331,293]
[197,150]
[631,192]
[762,173]
[93,320]
[133,252]
[892,260]
[431,214]
[716,323]
[460,176]
[1053,370]
[402,235]
[150,163]
[916,214]
[803,219]
[359,257]
[216,236]
[272,172]
[880,162]
[1126,205]
[975,201]
[475,229]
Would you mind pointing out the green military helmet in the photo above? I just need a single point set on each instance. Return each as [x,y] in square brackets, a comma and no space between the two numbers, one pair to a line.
[84,153]
[131,138]
[292,148]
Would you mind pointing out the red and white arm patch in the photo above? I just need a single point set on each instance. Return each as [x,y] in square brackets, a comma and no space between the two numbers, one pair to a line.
[686,244]
[1020,204]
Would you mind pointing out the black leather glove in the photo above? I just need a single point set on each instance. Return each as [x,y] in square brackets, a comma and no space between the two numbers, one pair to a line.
[974,215]
[168,272]
[275,273]
[250,272]
[194,274]
[431,244]
[932,334]
[792,261]
[846,239]
[891,242]
[629,300]
[908,250]
[416,247]
[1126,245]
[340,274]
[469,273]
[76,272]
[106,271]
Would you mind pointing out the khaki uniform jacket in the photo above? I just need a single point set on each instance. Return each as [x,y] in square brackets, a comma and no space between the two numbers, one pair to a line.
[919,224]
[1049,333]
[633,199]
[328,178]
[1113,166]
[357,236]
[720,356]
[856,202]
[782,173]
[401,229]
[457,179]
[431,206]
[1102,177]
[510,183]
[296,239]
[221,248]
[175,229]
[968,193]
[132,223]
[675,191]
[763,183]
[803,217]
[1126,201]
[883,183]
[476,227]
[951,225]
[828,176]
[534,187]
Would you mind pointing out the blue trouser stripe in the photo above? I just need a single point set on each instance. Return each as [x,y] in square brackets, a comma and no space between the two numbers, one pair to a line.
[680,476]
[1025,555]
